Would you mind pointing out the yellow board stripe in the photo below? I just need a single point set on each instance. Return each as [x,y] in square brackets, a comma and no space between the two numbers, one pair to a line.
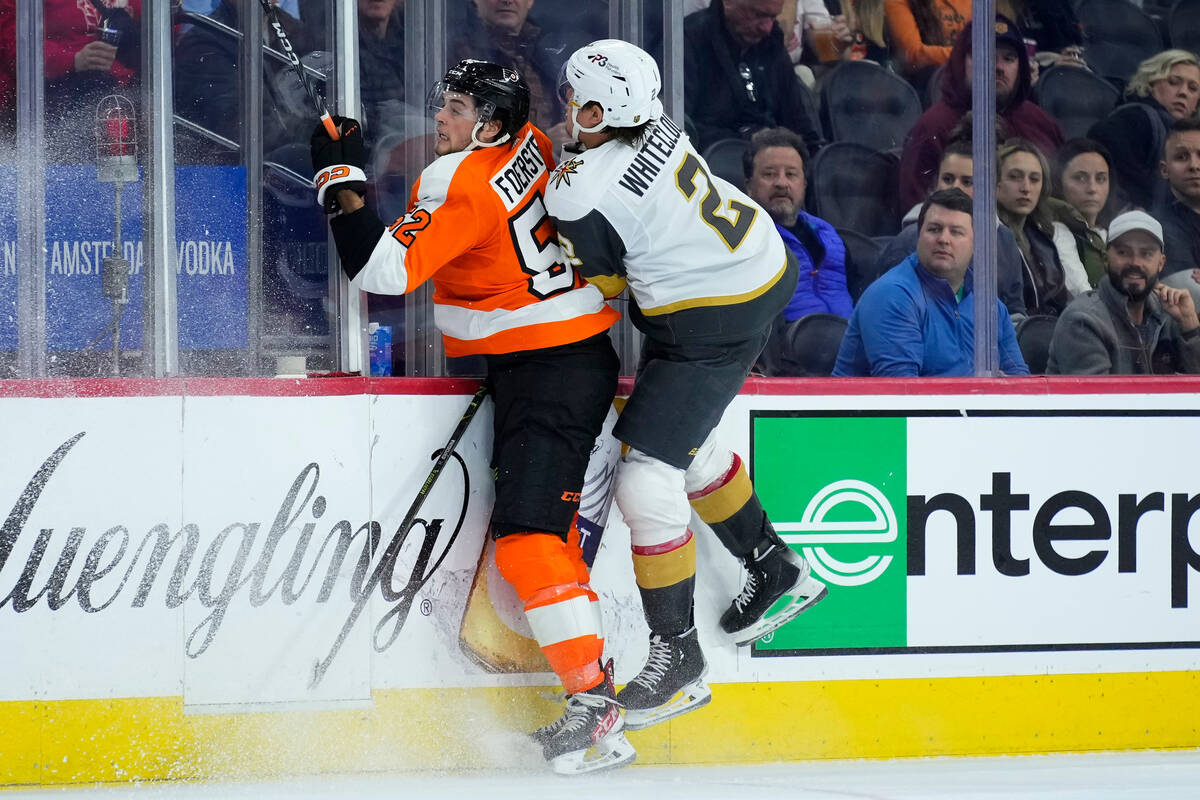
[665,569]
[89,741]
[726,501]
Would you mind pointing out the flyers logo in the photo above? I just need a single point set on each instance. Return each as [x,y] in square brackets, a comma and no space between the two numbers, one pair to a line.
[332,174]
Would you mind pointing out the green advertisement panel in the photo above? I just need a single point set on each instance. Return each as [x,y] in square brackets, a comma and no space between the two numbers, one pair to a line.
[835,488]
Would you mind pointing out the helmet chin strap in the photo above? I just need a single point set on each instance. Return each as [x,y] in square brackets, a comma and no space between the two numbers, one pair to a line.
[599,126]
[475,139]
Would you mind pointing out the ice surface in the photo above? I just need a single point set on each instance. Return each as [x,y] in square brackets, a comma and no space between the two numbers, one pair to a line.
[1102,776]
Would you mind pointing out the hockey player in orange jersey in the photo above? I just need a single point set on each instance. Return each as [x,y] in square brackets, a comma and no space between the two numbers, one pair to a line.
[477,227]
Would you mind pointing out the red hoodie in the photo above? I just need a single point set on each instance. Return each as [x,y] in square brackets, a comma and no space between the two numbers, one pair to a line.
[929,136]
[69,26]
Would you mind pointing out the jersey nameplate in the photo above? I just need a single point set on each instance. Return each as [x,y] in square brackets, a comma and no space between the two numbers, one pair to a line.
[515,177]
[651,157]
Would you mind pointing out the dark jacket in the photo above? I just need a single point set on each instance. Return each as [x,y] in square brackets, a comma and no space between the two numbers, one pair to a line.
[909,323]
[1181,232]
[717,100]
[1051,23]
[381,73]
[821,288]
[1095,337]
[928,138]
[531,51]
[207,89]
[1134,134]
[1010,270]
[1045,279]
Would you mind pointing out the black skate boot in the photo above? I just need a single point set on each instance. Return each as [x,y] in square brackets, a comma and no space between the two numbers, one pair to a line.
[670,684]
[590,734]
[779,585]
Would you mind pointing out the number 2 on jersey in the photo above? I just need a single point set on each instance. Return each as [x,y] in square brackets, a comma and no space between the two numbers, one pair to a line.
[538,251]
[732,231]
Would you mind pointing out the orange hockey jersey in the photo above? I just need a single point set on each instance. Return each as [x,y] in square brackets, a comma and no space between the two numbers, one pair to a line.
[477,225]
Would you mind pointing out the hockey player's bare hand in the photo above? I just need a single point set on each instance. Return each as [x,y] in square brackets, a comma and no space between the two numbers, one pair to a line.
[338,164]
[97,56]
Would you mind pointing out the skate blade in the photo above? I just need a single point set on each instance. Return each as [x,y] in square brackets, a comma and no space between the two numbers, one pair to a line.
[695,695]
[611,752]
[804,595]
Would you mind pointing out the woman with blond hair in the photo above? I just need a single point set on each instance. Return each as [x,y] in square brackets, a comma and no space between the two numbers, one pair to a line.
[865,19]
[1054,271]
[1166,87]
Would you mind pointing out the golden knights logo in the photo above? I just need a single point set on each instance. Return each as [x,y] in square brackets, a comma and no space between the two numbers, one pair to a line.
[564,171]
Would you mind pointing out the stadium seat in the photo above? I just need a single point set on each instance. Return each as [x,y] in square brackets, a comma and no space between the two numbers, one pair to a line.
[724,159]
[1117,37]
[852,186]
[1184,25]
[863,102]
[811,345]
[1033,338]
[861,254]
[1077,98]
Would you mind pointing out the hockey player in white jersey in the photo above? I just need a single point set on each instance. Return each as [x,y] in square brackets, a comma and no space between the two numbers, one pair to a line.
[707,273]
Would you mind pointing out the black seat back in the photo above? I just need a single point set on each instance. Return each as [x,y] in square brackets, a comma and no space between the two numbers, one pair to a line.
[1033,338]
[724,159]
[861,254]
[1076,97]
[863,102]
[1117,37]
[811,345]
[852,186]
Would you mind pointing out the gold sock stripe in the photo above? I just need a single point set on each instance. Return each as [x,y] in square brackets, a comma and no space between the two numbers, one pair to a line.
[725,501]
[659,570]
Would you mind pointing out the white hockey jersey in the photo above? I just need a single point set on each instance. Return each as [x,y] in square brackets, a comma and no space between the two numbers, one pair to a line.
[656,216]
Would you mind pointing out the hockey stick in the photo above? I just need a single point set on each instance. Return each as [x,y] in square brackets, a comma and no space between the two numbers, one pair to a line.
[401,534]
[298,68]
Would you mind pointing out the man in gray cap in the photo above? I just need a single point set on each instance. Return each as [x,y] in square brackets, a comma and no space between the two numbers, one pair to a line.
[1130,324]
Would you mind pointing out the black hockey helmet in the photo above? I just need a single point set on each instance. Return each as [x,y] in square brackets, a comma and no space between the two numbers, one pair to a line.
[500,93]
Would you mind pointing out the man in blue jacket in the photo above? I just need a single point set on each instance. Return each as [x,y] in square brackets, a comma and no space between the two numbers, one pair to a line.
[919,318]
[774,167]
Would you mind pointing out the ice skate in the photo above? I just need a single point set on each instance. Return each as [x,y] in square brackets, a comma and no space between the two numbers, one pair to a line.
[670,684]
[590,734]
[779,586]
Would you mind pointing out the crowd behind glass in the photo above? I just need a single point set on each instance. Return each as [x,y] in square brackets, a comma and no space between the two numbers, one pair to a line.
[841,119]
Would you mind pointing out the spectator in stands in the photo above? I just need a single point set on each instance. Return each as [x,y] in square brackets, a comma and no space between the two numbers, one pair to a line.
[1083,180]
[739,76]
[1130,324]
[1020,115]
[919,318]
[502,31]
[90,52]
[381,65]
[957,171]
[774,166]
[1166,87]
[207,90]
[922,33]
[1180,214]
[1051,24]
[1054,272]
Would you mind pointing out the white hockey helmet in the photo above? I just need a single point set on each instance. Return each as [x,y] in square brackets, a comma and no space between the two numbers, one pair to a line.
[621,77]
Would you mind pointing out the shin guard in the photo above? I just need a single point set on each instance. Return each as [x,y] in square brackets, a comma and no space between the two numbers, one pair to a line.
[564,613]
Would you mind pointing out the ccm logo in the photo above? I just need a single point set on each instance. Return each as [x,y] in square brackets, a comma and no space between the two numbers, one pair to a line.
[570,497]
[332,174]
